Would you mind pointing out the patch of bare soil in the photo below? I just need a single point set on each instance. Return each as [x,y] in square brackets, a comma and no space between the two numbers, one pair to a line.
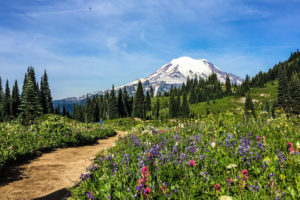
[48,176]
[243,99]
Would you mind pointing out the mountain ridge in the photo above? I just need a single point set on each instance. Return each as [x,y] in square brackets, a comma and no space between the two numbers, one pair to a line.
[171,74]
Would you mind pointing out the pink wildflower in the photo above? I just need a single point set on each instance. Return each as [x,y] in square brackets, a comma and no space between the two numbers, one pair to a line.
[245,174]
[192,163]
[147,190]
[217,187]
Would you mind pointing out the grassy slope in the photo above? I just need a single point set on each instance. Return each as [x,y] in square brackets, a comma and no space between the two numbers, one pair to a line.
[232,103]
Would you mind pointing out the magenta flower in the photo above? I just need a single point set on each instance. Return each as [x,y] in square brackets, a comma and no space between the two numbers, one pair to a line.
[192,163]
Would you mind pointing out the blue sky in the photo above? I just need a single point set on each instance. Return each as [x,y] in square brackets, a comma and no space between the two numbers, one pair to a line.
[88,45]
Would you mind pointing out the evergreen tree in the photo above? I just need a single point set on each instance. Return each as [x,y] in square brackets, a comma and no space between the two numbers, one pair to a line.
[6,101]
[15,100]
[157,108]
[138,108]
[88,110]
[113,108]
[30,106]
[228,86]
[127,106]
[57,110]
[64,111]
[249,106]
[185,110]
[282,95]
[294,93]
[172,105]
[46,98]
[193,98]
[121,106]
[177,106]
[267,106]
[151,91]
[148,102]
[245,86]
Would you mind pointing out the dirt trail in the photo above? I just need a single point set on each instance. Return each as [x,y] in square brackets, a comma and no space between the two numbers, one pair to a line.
[54,172]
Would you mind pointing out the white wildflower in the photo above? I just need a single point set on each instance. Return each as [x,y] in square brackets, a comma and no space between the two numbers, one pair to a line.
[226,198]
[232,165]
[213,144]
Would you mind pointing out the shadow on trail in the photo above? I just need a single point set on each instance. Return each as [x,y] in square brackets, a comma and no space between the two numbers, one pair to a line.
[14,169]
[61,194]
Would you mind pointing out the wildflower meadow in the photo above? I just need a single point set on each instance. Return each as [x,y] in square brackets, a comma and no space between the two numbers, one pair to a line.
[222,156]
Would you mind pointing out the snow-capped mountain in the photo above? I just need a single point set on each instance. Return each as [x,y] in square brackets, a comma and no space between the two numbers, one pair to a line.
[177,71]
[171,74]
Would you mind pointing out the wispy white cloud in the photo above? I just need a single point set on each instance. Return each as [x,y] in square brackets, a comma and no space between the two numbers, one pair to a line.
[91,44]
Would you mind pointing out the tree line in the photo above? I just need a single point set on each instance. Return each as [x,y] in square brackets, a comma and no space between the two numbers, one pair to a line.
[34,100]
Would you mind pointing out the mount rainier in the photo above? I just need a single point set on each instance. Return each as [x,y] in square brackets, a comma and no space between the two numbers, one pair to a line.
[171,74]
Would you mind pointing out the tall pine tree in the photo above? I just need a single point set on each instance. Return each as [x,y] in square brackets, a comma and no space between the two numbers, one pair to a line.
[148,102]
[249,106]
[185,110]
[138,108]
[6,101]
[30,107]
[121,106]
[282,95]
[15,100]
[46,98]
[228,86]
[294,93]
[113,108]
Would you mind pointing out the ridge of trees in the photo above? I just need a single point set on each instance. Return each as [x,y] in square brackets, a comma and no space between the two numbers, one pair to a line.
[31,103]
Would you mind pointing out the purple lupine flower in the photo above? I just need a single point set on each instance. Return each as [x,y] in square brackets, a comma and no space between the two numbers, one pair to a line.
[197,138]
[281,156]
[125,159]
[271,175]
[260,146]
[90,196]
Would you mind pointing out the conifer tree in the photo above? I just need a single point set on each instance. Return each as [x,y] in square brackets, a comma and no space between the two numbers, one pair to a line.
[157,108]
[121,106]
[228,86]
[151,91]
[249,106]
[267,106]
[57,110]
[177,106]
[15,99]
[245,86]
[30,106]
[113,108]
[6,101]
[138,108]
[64,111]
[282,95]
[185,110]
[172,107]
[294,93]
[193,98]
[46,98]
[148,102]
[88,110]
[126,101]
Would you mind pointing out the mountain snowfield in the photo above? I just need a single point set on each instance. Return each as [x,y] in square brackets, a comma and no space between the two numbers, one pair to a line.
[171,74]
[178,70]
